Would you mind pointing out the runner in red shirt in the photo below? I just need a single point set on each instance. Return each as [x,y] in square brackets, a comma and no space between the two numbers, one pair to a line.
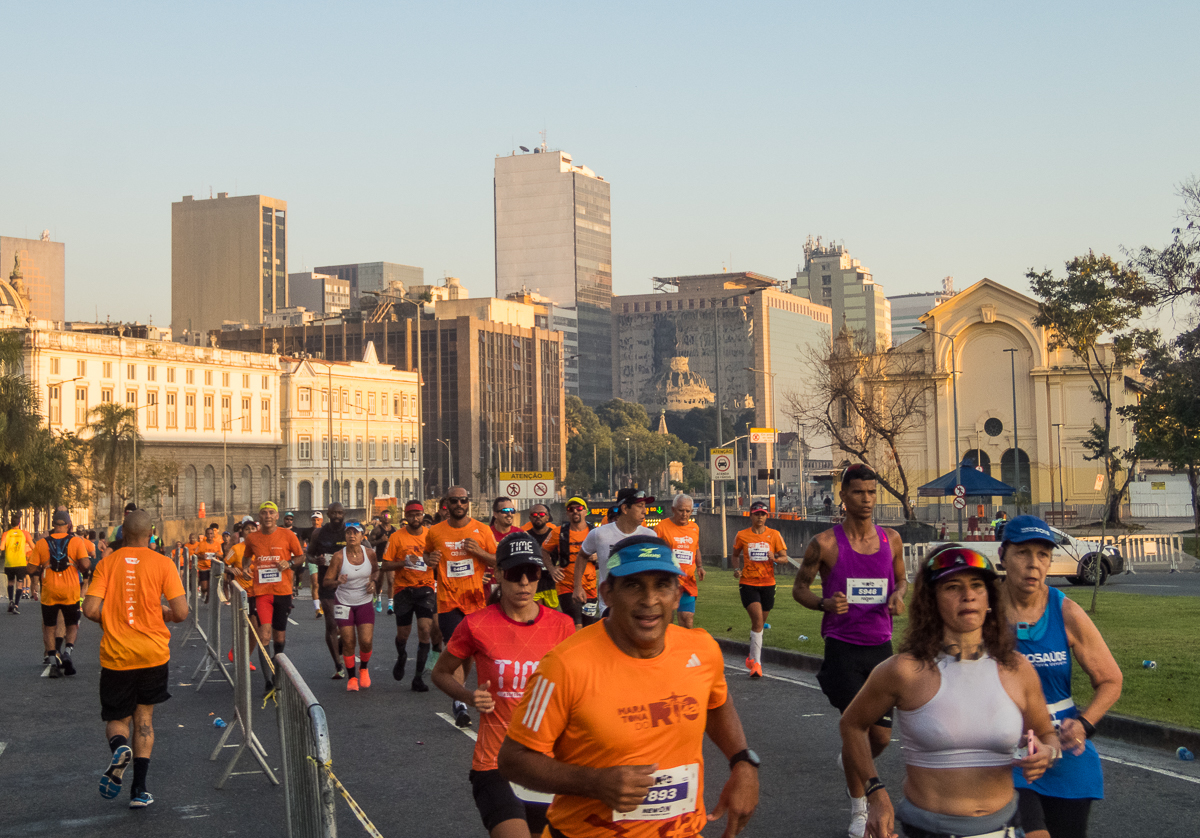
[272,554]
[507,640]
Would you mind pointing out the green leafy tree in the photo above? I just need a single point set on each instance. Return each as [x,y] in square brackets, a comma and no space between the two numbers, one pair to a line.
[1091,312]
[111,434]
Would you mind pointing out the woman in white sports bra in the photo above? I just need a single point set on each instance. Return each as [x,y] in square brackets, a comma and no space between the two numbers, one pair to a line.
[354,576]
[966,704]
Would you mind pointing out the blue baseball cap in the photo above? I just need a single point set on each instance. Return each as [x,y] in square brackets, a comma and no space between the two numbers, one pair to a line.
[1027,528]
[354,525]
[642,554]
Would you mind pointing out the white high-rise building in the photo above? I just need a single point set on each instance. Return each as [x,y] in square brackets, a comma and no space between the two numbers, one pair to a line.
[554,237]
[830,277]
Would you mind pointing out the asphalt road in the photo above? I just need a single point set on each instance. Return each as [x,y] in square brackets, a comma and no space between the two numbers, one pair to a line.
[407,766]
[1152,583]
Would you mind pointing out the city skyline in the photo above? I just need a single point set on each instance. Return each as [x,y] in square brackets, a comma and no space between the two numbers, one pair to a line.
[942,141]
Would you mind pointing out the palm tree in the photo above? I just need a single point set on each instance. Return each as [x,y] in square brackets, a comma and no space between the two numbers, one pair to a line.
[112,433]
[19,422]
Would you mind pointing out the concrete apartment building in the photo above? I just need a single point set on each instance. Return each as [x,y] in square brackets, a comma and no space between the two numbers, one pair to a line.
[369,277]
[228,262]
[372,420]
[318,292]
[666,346]
[557,319]
[554,238]
[830,277]
[40,268]
[908,309]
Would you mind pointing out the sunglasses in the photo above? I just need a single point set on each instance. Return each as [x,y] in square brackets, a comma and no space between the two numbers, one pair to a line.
[539,514]
[956,558]
[506,511]
[517,574]
[457,500]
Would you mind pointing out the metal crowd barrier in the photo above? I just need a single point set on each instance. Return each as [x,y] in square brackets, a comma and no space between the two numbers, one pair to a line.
[242,701]
[914,556]
[1146,550]
[309,792]
[193,594]
[212,660]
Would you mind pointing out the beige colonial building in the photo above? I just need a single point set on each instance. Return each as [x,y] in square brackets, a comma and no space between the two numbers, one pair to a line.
[372,420]
[1053,399]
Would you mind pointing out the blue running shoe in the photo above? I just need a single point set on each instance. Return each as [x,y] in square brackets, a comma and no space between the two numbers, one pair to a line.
[141,801]
[110,780]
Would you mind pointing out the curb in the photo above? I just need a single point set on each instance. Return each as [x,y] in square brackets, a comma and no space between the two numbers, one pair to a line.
[1126,729]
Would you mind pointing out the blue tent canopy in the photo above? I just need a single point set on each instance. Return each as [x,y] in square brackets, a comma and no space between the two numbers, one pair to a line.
[976,483]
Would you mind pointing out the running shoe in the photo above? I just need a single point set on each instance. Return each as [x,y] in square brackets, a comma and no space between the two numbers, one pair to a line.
[378,604]
[364,679]
[68,668]
[45,659]
[391,607]
[352,685]
[419,685]
[461,717]
[858,817]
[15,609]
[398,669]
[434,654]
[319,614]
[55,666]
[755,668]
[141,800]
[110,780]
[340,674]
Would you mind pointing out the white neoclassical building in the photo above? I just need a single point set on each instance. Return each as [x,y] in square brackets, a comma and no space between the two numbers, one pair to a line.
[372,421]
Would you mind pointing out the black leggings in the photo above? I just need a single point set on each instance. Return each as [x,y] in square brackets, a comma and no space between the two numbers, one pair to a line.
[1063,817]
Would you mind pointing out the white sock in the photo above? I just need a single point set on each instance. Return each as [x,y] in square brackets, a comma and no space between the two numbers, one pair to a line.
[756,646]
[858,804]
[316,605]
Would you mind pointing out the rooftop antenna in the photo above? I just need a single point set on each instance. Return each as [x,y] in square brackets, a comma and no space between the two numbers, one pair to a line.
[543,133]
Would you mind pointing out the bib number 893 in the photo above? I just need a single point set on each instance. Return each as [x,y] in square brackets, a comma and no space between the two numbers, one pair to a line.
[660,795]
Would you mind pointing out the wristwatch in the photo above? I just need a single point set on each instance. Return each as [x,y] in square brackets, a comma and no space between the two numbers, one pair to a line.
[745,755]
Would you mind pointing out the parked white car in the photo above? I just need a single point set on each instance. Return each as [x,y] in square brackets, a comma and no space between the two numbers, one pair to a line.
[1074,559]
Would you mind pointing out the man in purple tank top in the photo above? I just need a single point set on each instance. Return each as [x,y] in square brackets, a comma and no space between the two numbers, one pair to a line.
[862,587]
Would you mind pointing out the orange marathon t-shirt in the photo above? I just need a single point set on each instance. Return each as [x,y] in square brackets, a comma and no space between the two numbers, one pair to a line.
[270,561]
[207,551]
[133,581]
[236,557]
[685,545]
[459,575]
[61,587]
[506,655]
[404,546]
[591,704]
[575,541]
[758,556]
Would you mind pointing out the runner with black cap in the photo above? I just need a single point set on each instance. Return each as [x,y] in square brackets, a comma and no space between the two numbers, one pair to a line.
[506,639]
[61,560]
[613,721]
[631,511]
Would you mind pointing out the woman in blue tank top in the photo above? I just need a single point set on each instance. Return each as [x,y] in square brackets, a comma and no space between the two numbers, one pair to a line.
[1049,628]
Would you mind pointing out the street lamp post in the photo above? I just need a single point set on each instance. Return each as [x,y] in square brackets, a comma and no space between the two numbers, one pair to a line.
[1012,358]
[226,427]
[449,462]
[954,383]
[627,462]
[775,444]
[1062,500]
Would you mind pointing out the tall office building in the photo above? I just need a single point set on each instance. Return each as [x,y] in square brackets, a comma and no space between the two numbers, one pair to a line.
[42,269]
[908,309]
[318,292]
[831,278]
[369,277]
[228,262]
[554,237]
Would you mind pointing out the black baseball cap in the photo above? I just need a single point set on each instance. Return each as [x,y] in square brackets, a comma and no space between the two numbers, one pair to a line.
[516,549]
[628,497]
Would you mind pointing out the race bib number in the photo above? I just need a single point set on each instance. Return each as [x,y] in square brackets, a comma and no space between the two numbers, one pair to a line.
[341,612]
[529,795]
[683,557]
[866,591]
[416,563]
[673,794]
[269,573]
[760,552]
[460,568]
[589,609]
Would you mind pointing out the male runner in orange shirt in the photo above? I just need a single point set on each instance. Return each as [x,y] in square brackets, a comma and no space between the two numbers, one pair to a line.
[125,597]
[60,558]
[212,547]
[273,554]
[682,533]
[613,721]
[412,591]
[560,558]
[462,549]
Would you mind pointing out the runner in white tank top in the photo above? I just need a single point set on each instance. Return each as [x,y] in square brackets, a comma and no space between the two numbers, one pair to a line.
[355,584]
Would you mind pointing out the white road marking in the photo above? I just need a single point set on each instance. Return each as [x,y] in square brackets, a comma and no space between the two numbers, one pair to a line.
[3,745]
[1162,771]
[293,622]
[450,721]
[798,683]
[46,672]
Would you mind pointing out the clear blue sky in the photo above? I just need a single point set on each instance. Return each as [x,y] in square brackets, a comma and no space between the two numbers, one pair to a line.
[933,139]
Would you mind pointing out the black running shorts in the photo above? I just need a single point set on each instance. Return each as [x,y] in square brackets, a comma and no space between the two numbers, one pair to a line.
[122,690]
[764,595]
[70,614]
[203,575]
[845,669]
[448,622]
[1060,816]
[497,802]
[419,600]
